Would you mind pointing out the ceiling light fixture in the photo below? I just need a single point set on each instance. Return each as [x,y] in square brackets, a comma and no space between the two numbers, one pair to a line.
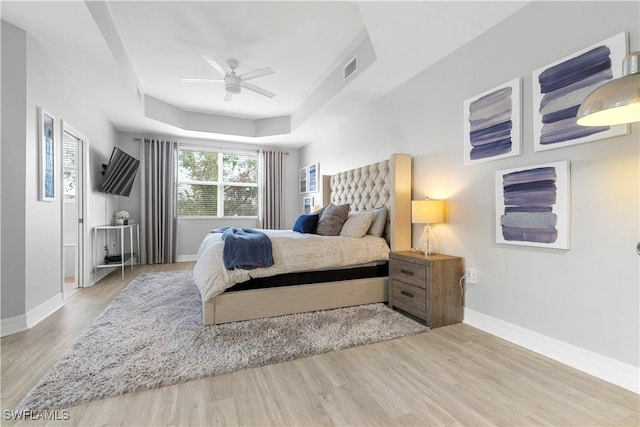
[617,101]
[233,83]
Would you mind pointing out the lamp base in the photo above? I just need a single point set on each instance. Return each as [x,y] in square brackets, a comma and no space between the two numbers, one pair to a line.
[429,244]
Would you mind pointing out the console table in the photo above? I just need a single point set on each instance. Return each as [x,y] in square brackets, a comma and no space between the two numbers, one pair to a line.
[125,257]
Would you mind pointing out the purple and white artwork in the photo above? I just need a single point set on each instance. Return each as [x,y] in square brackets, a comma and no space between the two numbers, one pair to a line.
[560,87]
[492,124]
[532,205]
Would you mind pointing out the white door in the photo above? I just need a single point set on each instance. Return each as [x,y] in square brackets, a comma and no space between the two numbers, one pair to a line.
[73,210]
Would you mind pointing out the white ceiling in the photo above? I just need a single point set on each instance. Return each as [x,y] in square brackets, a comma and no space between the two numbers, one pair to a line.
[165,41]
[111,48]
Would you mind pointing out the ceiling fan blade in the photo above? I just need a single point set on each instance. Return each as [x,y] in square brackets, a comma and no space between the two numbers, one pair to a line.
[220,67]
[228,96]
[257,89]
[201,80]
[256,73]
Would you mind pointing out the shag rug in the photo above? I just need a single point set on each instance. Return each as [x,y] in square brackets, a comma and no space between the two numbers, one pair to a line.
[151,336]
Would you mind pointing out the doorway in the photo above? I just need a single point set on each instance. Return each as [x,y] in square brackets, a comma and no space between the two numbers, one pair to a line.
[73,209]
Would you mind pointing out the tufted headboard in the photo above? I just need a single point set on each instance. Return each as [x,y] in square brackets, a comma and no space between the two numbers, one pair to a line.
[386,183]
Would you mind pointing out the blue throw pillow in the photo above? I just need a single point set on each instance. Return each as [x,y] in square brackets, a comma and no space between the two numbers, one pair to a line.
[306,223]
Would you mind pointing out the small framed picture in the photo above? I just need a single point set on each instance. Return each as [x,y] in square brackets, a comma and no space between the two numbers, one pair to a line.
[307,205]
[46,156]
[313,177]
[303,181]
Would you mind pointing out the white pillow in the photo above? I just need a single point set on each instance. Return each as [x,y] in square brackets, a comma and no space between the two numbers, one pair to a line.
[357,224]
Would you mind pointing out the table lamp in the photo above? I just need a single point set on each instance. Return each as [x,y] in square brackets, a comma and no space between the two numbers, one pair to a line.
[428,212]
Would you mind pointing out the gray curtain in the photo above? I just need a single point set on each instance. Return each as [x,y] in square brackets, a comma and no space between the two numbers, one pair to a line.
[271,189]
[159,200]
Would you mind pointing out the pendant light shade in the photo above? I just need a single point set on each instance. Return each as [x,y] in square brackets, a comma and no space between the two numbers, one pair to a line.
[617,101]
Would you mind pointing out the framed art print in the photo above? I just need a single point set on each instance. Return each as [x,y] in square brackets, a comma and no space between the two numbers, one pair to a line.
[307,204]
[492,124]
[560,87]
[532,205]
[302,180]
[312,173]
[46,156]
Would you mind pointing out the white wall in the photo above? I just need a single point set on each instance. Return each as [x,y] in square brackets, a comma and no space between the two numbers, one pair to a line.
[587,296]
[50,88]
[191,231]
[39,229]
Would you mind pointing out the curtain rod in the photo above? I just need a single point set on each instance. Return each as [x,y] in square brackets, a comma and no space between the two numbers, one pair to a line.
[138,139]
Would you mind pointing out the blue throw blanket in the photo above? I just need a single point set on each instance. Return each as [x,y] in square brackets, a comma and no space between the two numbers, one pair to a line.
[245,248]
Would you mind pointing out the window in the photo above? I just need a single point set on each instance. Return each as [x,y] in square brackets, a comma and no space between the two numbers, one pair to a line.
[69,166]
[212,183]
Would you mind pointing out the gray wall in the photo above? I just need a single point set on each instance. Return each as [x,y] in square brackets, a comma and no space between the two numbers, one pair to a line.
[586,296]
[31,229]
[14,91]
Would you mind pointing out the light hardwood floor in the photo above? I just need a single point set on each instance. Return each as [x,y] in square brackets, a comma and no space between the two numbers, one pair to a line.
[456,375]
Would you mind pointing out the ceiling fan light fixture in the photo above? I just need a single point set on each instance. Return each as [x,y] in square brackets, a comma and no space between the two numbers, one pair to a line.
[232,84]
[617,101]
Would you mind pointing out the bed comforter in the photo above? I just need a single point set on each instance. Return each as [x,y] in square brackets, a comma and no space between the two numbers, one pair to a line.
[292,252]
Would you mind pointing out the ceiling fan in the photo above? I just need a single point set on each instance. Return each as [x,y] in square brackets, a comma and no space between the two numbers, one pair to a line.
[233,83]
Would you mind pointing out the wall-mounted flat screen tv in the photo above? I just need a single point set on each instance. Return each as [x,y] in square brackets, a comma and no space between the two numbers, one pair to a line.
[119,173]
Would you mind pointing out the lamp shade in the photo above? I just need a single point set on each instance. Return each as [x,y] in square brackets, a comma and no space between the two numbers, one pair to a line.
[615,102]
[427,211]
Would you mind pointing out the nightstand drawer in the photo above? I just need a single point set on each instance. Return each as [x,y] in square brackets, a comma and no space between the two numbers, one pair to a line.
[408,272]
[409,298]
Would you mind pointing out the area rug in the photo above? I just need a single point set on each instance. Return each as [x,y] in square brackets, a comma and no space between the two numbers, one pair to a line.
[151,336]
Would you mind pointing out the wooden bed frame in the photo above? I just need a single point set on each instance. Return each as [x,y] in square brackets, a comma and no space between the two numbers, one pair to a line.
[387,183]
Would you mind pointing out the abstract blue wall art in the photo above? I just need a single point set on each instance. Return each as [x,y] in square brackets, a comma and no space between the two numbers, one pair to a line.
[492,124]
[303,181]
[307,204]
[532,205]
[47,156]
[313,171]
[560,87]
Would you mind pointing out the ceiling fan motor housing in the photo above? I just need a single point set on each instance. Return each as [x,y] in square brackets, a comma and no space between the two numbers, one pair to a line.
[232,84]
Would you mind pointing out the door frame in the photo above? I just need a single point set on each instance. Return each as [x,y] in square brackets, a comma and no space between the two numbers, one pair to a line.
[82,181]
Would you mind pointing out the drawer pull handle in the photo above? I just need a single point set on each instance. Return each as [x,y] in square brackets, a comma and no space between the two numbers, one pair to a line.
[407,272]
[406,294]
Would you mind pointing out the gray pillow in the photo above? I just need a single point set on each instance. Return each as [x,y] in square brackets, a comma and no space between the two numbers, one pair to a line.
[379,222]
[332,220]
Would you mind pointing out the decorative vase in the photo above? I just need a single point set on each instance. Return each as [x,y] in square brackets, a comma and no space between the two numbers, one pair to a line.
[119,221]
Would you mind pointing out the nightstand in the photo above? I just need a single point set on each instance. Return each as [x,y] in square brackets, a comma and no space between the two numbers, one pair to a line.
[427,287]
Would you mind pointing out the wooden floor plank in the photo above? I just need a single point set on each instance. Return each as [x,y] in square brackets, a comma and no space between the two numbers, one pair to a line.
[456,375]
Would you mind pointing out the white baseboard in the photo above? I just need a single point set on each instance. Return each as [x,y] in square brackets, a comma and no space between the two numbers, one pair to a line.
[42,311]
[13,325]
[603,367]
[186,258]
[23,322]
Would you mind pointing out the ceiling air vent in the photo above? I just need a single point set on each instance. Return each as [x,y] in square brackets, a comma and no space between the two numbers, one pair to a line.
[351,68]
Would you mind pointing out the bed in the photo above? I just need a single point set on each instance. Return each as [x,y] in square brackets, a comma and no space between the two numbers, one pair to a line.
[386,183]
